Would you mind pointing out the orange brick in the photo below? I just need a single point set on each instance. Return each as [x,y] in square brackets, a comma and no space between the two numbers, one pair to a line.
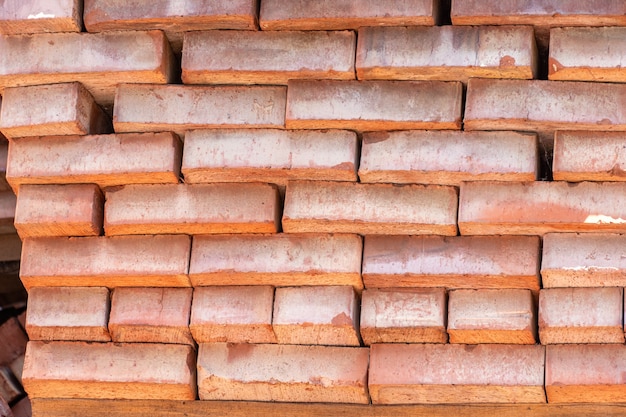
[324,315]
[156,108]
[342,207]
[438,373]
[277,260]
[7,212]
[452,262]
[98,61]
[37,16]
[59,210]
[290,373]
[106,160]
[344,14]
[373,105]
[124,261]
[402,315]
[536,208]
[406,157]
[585,373]
[151,315]
[13,340]
[68,313]
[492,316]
[246,57]
[110,370]
[192,209]
[269,155]
[581,315]
[449,53]
[233,314]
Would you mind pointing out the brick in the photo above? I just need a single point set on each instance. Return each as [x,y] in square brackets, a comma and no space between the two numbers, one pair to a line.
[536,208]
[17,367]
[99,61]
[59,210]
[38,16]
[68,313]
[324,315]
[406,157]
[269,155]
[106,160]
[585,373]
[4,150]
[438,373]
[233,314]
[110,370]
[10,247]
[452,262]
[124,261]
[492,316]
[373,105]
[342,207]
[581,315]
[192,209]
[278,260]
[284,373]
[449,53]
[10,388]
[13,340]
[246,57]
[403,315]
[151,315]
[156,108]
[345,14]
[7,212]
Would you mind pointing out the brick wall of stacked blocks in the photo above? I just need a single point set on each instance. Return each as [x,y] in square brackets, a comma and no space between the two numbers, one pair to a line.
[351,201]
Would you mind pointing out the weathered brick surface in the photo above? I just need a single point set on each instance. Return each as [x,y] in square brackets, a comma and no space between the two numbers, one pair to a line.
[316,206]
[402,315]
[246,57]
[447,157]
[37,16]
[127,261]
[277,260]
[445,373]
[291,373]
[452,262]
[13,340]
[581,315]
[269,155]
[536,208]
[110,370]
[59,210]
[192,209]
[7,211]
[373,105]
[68,313]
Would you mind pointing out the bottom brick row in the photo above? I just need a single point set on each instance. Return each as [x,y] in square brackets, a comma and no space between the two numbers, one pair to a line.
[382,374]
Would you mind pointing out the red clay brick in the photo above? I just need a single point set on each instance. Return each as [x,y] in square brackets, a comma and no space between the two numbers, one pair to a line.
[373,105]
[536,208]
[324,315]
[403,315]
[269,155]
[156,108]
[291,373]
[7,212]
[37,16]
[585,373]
[449,53]
[106,160]
[110,370]
[192,209]
[233,314]
[151,315]
[342,207]
[581,315]
[407,157]
[438,373]
[68,313]
[59,210]
[124,261]
[452,262]
[277,260]
[245,57]
[13,340]
[492,316]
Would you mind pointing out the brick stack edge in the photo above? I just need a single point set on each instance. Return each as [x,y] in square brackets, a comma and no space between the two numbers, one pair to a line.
[325,202]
